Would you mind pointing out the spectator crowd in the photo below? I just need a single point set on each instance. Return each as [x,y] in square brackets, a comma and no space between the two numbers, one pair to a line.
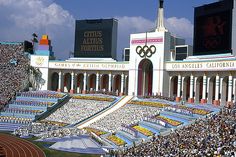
[211,136]
[13,71]
[127,114]
[76,110]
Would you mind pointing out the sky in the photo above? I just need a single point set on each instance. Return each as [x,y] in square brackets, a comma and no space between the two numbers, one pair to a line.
[19,19]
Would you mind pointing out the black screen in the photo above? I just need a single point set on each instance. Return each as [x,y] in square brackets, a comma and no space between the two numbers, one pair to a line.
[213,29]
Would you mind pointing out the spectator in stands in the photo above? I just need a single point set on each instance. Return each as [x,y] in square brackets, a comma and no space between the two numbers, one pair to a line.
[214,136]
[13,71]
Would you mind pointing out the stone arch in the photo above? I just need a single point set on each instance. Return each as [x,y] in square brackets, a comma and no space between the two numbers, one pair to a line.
[186,88]
[67,82]
[54,81]
[117,83]
[211,91]
[145,76]
[126,85]
[80,83]
[224,93]
[198,89]
[92,82]
[173,86]
[105,82]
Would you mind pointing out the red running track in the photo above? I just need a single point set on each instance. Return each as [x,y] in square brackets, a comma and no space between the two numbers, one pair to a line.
[16,147]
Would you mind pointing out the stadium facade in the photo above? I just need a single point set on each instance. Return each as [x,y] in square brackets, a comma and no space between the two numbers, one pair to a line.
[205,77]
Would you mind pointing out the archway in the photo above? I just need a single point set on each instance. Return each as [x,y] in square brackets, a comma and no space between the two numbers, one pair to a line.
[198,89]
[126,85]
[80,83]
[54,81]
[224,93]
[173,86]
[67,82]
[104,82]
[92,82]
[145,73]
[117,84]
[186,88]
[211,92]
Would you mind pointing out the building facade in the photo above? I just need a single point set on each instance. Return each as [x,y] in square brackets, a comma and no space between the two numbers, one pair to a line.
[150,70]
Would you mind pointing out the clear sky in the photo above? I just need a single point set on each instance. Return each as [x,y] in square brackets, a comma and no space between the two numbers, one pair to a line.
[20,18]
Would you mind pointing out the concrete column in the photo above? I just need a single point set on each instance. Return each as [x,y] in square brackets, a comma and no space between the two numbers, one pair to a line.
[191,99]
[230,90]
[217,101]
[178,98]
[85,83]
[59,81]
[72,83]
[122,85]
[204,88]
[109,85]
[97,81]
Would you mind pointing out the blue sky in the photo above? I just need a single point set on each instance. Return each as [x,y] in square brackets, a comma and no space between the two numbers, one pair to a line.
[20,18]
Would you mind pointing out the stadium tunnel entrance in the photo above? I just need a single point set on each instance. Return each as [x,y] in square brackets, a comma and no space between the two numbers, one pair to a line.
[145,74]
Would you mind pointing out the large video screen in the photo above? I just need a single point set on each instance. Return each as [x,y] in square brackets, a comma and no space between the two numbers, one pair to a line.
[212,33]
[95,38]
[213,28]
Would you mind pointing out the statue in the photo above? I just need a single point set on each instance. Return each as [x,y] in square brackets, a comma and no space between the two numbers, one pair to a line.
[161,3]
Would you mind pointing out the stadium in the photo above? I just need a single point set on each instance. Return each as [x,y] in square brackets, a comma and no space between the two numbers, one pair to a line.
[166,98]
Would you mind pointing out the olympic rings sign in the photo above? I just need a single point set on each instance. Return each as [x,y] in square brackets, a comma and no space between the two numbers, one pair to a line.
[145,51]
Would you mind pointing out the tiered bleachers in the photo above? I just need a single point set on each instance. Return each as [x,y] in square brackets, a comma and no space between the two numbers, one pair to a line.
[80,107]
[29,106]
[141,119]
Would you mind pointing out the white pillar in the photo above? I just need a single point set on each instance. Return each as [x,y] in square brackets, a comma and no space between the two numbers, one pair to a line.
[191,100]
[85,83]
[59,81]
[122,84]
[97,81]
[217,88]
[230,88]
[72,83]
[109,85]
[179,88]
[204,88]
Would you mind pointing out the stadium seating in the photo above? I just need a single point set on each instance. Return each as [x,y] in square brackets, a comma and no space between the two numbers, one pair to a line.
[13,71]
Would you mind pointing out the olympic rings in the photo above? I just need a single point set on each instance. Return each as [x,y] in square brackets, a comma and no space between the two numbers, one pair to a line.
[145,51]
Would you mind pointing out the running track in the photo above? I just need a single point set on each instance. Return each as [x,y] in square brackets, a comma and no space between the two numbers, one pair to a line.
[11,146]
